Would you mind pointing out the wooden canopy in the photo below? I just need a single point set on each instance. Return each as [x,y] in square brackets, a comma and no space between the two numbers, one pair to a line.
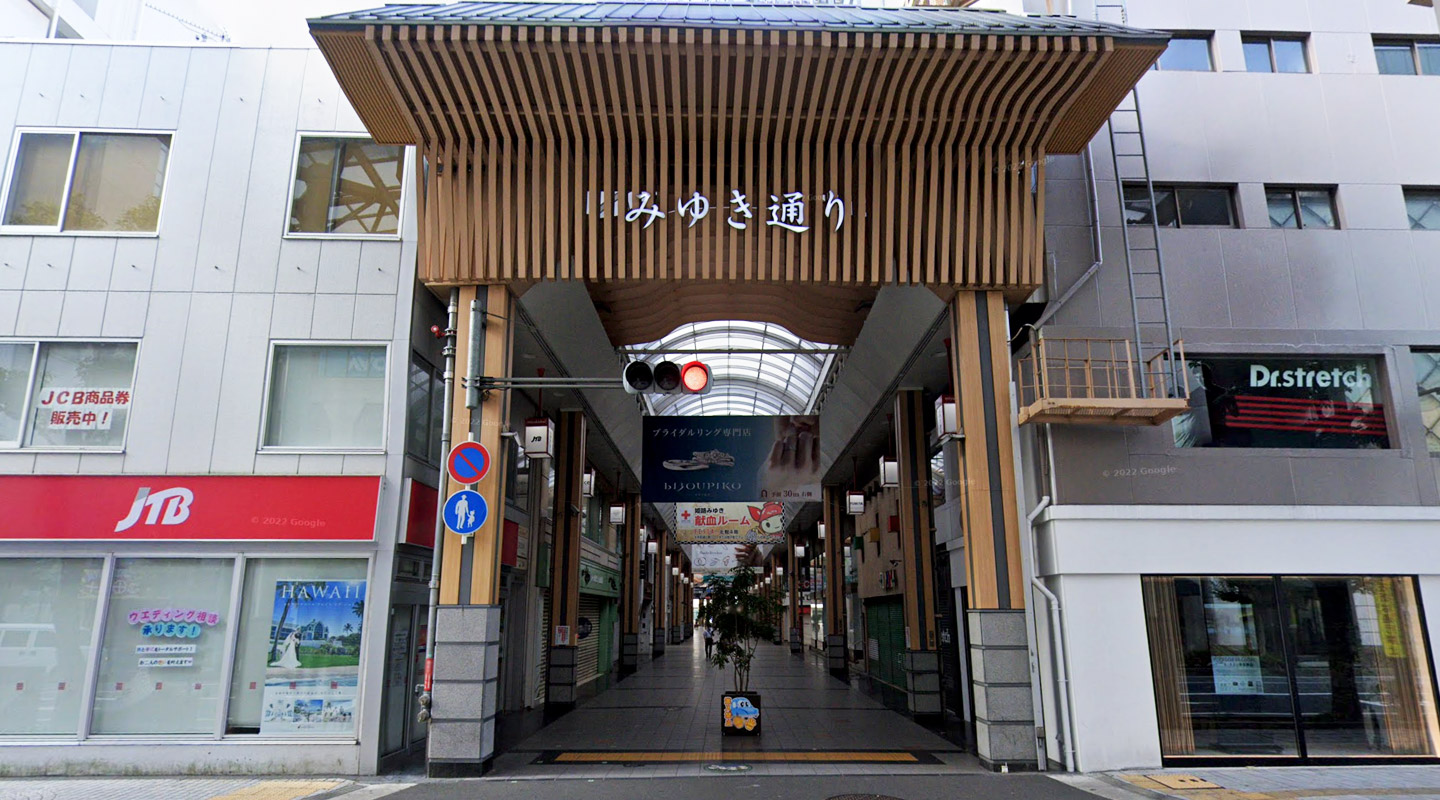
[908,144]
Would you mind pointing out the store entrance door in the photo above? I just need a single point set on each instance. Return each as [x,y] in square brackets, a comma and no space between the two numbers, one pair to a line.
[402,733]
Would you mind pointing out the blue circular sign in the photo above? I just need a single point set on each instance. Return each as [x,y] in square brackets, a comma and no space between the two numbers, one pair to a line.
[465,512]
[468,462]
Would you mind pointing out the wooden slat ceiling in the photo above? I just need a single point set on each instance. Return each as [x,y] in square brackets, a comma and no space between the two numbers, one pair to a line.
[928,139]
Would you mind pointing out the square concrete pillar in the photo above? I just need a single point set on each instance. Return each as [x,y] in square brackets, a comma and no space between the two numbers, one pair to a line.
[658,641]
[677,634]
[560,679]
[629,653]
[835,656]
[796,644]
[1000,669]
[922,679]
[464,691]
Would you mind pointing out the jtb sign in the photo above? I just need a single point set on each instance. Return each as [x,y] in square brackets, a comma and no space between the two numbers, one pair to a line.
[198,507]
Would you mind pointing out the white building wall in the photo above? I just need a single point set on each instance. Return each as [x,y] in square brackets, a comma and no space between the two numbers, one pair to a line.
[206,296]
[1094,557]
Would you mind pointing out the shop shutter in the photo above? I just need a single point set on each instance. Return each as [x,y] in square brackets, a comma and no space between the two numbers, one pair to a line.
[542,665]
[885,628]
[587,654]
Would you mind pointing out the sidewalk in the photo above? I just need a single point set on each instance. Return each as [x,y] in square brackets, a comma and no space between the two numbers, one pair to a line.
[192,789]
[1286,783]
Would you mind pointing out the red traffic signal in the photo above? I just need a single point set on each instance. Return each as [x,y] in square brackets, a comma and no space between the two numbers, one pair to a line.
[695,378]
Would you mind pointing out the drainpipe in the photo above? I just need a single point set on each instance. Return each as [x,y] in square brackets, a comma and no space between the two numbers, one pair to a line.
[445,435]
[1057,650]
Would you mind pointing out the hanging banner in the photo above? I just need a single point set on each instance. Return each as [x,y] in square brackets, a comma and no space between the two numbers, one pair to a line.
[729,459]
[314,661]
[730,523]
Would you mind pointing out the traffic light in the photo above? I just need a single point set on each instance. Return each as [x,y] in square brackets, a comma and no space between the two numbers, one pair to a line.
[695,378]
[667,377]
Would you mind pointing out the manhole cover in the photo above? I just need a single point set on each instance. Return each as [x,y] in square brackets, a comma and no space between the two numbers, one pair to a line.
[728,767]
[863,797]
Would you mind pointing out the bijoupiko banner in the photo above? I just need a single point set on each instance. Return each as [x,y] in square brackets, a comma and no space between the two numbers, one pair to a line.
[731,459]
[730,523]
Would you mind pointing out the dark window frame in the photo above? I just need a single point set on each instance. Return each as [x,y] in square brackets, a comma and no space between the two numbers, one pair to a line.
[1411,43]
[1208,37]
[1170,194]
[1424,191]
[1294,192]
[1269,40]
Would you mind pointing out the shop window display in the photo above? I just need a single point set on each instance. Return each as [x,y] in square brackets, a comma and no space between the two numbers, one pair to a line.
[1290,667]
[162,660]
[297,659]
[47,616]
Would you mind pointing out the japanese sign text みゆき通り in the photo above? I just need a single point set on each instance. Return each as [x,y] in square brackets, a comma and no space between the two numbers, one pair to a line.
[731,459]
[789,211]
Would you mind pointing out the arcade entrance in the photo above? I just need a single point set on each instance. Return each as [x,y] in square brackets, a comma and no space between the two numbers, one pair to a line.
[836,209]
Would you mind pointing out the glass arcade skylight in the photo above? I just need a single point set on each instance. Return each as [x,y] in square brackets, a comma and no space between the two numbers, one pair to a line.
[743,381]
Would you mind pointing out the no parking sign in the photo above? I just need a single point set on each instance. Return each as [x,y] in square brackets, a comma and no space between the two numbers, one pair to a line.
[468,463]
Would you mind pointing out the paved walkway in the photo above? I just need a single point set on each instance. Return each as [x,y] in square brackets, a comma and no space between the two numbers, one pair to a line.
[664,721]
[1287,783]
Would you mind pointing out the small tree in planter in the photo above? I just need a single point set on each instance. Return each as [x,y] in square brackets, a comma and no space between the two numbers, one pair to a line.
[740,612]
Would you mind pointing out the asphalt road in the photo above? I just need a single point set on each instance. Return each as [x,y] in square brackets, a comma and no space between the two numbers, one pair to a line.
[740,787]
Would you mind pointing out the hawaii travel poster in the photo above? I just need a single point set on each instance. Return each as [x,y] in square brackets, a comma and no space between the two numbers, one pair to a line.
[313,663]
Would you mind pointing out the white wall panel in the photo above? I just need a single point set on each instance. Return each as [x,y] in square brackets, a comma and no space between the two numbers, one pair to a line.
[125,314]
[134,268]
[84,86]
[83,314]
[39,313]
[44,82]
[375,317]
[164,87]
[124,87]
[90,264]
[157,378]
[299,265]
[9,311]
[49,262]
[334,316]
[198,395]
[339,267]
[14,258]
[224,209]
[381,264]
[319,95]
[187,186]
[270,173]
[242,389]
[292,316]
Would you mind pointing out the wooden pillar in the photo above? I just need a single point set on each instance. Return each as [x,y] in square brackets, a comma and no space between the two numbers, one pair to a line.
[632,552]
[467,619]
[987,454]
[792,573]
[565,560]
[917,548]
[832,514]
[470,574]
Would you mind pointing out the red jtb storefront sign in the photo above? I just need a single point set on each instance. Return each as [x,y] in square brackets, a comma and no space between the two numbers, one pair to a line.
[196,507]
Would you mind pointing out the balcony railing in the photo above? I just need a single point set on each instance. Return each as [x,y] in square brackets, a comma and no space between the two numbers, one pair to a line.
[1101,382]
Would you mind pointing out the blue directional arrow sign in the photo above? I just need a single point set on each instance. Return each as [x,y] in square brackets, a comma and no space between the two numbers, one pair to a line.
[465,512]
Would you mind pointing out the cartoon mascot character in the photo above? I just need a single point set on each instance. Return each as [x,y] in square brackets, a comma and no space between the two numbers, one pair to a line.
[770,518]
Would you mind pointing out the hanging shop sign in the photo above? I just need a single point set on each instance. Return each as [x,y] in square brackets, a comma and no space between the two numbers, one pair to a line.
[730,523]
[1261,401]
[189,507]
[729,459]
[313,657]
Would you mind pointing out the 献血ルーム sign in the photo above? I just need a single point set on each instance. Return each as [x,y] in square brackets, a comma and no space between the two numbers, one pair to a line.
[1262,376]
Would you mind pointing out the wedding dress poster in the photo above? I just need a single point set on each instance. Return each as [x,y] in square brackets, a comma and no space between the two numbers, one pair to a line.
[313,665]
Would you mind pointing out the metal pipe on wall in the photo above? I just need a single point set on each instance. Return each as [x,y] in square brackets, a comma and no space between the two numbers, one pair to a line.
[445,434]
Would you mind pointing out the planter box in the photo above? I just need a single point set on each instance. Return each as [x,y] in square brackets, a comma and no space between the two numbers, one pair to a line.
[740,714]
